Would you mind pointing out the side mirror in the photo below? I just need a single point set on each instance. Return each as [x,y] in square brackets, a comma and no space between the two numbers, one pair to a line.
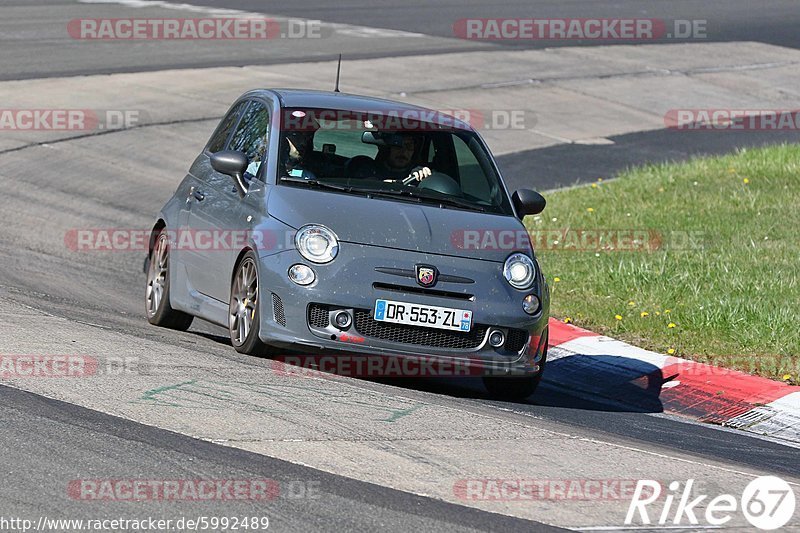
[528,202]
[233,164]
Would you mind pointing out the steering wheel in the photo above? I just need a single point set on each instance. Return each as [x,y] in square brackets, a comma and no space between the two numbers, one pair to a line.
[425,178]
[416,175]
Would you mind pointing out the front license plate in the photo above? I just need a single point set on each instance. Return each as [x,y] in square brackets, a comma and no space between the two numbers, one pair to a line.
[429,316]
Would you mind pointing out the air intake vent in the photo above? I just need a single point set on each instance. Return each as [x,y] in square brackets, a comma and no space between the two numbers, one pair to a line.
[318,316]
[516,339]
[277,310]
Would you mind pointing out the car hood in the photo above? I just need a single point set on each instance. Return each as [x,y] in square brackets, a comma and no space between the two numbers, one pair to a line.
[401,225]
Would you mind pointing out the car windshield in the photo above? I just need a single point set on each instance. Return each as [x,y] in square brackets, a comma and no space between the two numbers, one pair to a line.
[393,156]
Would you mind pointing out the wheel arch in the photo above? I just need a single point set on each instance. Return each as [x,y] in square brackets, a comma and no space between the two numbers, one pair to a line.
[157,227]
[239,258]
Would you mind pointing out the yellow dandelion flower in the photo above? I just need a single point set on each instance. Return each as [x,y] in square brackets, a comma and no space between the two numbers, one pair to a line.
[671,351]
[666,311]
[786,377]
[644,314]
[631,304]
[658,313]
[590,209]
[618,317]
[599,179]
[745,181]
[556,279]
[671,325]
[567,320]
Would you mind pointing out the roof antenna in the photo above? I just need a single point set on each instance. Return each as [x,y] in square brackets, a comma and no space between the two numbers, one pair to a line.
[338,71]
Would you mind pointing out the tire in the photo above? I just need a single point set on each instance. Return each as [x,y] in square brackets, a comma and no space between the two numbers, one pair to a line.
[244,310]
[514,388]
[156,299]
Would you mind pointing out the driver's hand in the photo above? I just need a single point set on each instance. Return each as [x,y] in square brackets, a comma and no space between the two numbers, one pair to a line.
[417,174]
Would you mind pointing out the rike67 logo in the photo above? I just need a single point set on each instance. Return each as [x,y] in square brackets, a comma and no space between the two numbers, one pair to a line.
[767,502]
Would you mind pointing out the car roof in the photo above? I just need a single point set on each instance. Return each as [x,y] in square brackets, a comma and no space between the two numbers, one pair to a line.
[307,98]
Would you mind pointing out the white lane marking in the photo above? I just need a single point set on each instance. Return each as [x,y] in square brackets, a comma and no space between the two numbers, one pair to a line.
[790,401]
[342,29]
[602,345]
[643,528]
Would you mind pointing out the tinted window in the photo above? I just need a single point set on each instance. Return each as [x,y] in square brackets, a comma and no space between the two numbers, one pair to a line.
[217,143]
[252,136]
[347,141]
[473,181]
[390,158]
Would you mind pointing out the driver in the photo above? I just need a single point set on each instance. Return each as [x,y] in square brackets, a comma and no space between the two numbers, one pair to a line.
[398,160]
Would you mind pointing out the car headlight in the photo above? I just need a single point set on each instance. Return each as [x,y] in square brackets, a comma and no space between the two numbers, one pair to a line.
[316,243]
[519,270]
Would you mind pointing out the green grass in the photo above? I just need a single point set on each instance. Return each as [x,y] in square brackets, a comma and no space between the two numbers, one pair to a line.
[731,291]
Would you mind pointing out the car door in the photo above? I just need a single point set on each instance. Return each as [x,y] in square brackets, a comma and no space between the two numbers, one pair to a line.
[184,253]
[215,213]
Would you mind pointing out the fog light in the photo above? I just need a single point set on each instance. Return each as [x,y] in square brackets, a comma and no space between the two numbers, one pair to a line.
[531,304]
[342,320]
[497,338]
[302,274]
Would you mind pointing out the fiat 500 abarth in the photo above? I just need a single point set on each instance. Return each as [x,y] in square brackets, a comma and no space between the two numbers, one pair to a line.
[360,225]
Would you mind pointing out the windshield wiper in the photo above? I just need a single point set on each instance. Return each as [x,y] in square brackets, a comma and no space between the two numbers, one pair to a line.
[415,193]
[349,188]
[317,183]
[404,194]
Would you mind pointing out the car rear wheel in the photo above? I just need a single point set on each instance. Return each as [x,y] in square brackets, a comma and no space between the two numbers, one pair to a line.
[159,310]
[244,312]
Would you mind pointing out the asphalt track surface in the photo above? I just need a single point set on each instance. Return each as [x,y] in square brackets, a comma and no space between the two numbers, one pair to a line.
[68,439]
[44,440]
[732,20]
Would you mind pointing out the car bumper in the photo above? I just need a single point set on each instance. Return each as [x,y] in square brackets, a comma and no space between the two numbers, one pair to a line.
[301,318]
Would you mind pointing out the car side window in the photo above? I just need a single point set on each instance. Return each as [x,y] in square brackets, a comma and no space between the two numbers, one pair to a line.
[220,138]
[473,181]
[252,136]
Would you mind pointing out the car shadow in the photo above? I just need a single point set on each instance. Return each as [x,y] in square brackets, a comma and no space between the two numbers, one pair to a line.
[588,382]
[596,383]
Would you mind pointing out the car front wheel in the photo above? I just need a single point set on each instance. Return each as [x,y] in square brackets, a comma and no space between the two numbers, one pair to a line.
[514,388]
[244,312]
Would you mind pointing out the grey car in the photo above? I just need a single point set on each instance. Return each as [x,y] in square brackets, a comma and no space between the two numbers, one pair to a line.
[333,223]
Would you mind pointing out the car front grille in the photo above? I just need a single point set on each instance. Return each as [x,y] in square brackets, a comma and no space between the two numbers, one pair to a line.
[318,317]
[420,336]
